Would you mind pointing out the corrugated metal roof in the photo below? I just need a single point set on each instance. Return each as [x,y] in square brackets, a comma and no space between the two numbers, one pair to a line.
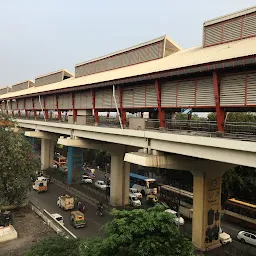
[180,59]
[55,72]
[230,16]
[26,81]
[132,48]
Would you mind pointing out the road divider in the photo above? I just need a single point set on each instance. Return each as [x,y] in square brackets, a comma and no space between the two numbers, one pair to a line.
[50,221]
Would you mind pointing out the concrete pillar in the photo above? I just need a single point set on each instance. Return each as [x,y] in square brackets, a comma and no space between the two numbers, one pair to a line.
[75,164]
[206,209]
[120,181]
[47,153]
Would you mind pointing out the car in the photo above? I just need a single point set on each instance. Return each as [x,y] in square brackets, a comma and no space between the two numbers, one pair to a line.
[100,184]
[248,237]
[179,221]
[135,192]
[224,237]
[86,179]
[134,201]
[58,218]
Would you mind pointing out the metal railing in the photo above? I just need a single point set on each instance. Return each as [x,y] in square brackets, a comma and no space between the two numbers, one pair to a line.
[232,130]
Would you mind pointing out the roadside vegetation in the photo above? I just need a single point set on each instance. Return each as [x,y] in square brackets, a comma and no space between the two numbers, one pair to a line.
[17,164]
[137,232]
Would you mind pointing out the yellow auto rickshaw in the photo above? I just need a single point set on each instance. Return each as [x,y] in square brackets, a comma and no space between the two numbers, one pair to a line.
[152,199]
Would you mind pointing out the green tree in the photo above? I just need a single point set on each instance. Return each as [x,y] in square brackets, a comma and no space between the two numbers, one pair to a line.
[56,246]
[142,233]
[17,164]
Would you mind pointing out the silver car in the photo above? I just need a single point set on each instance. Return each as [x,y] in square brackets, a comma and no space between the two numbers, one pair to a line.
[247,237]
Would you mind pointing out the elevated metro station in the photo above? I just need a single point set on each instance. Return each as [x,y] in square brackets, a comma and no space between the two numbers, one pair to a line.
[160,78]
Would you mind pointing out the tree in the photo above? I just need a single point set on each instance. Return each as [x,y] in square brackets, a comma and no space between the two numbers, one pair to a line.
[56,246]
[17,165]
[140,232]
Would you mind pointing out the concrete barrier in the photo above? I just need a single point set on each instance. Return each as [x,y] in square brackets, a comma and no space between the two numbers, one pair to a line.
[51,222]
[7,233]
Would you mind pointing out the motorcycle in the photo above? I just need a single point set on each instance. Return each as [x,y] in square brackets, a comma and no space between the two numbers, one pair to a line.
[99,212]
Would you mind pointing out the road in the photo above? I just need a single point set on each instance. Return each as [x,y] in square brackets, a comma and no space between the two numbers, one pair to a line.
[48,200]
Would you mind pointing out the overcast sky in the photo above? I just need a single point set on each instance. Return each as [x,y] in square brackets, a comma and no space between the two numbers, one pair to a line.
[38,37]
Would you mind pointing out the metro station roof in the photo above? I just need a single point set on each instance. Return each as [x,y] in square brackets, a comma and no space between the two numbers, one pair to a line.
[181,59]
[171,45]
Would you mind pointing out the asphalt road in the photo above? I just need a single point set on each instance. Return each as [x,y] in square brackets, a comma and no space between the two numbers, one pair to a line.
[94,223]
[48,200]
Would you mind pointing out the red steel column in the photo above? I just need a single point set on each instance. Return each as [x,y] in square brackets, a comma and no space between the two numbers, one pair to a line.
[26,112]
[220,114]
[73,108]
[57,107]
[45,110]
[161,112]
[18,108]
[123,112]
[96,113]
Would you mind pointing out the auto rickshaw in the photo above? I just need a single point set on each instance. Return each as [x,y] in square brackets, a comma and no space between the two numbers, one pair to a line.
[77,219]
[152,199]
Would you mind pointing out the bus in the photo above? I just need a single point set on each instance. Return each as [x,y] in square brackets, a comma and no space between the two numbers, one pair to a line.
[143,184]
[179,200]
[240,212]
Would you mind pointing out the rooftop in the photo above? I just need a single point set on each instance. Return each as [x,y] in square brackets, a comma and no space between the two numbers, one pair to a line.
[170,43]
[184,58]
[230,16]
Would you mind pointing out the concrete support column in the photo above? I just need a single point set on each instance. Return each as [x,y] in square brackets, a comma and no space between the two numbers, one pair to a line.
[120,181]
[47,153]
[206,209]
[75,164]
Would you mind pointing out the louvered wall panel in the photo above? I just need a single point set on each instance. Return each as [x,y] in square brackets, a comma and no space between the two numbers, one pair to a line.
[29,103]
[139,96]
[133,57]
[151,97]
[125,60]
[186,93]
[232,30]
[53,78]
[154,51]
[251,89]
[144,54]
[21,86]
[37,104]
[232,90]
[99,99]
[168,94]
[117,98]
[249,27]
[128,97]
[65,101]
[205,92]
[3,105]
[20,103]
[14,105]
[107,98]
[213,34]
[83,100]
[50,102]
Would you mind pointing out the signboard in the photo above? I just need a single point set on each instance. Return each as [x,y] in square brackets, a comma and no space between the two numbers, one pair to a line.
[186,111]
[75,165]
[213,210]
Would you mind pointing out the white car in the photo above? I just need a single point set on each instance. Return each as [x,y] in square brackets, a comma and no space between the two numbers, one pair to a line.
[134,201]
[179,221]
[100,184]
[86,179]
[135,192]
[58,218]
[247,237]
[224,237]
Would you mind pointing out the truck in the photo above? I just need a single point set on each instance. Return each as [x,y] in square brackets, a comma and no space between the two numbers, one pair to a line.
[66,202]
[40,185]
